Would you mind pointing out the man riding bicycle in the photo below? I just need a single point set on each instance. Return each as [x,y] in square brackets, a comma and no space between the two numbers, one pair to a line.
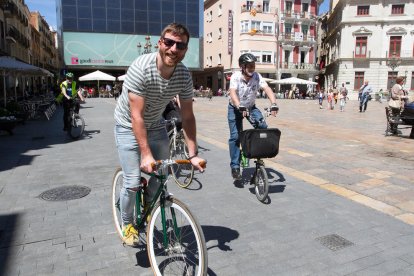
[243,89]
[67,95]
[151,82]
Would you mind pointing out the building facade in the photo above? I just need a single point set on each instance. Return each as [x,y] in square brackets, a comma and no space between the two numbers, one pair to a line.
[371,41]
[109,35]
[26,37]
[280,33]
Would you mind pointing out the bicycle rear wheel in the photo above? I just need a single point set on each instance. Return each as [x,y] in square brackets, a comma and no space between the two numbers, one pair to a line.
[182,251]
[182,173]
[76,127]
[261,183]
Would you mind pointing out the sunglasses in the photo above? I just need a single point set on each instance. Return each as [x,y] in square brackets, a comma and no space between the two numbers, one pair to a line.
[170,42]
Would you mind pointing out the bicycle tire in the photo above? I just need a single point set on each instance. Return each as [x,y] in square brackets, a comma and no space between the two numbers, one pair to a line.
[183,174]
[76,126]
[186,253]
[115,204]
[261,183]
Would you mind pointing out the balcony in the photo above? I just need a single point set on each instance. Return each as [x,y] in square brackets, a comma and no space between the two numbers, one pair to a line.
[252,9]
[290,16]
[297,39]
[289,66]
[361,56]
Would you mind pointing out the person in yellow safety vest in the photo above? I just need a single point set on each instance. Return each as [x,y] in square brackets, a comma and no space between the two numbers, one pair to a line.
[69,94]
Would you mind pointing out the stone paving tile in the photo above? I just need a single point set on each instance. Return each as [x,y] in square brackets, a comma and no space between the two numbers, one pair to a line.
[310,193]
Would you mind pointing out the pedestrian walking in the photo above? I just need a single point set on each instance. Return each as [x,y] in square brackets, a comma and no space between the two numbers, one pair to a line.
[330,99]
[321,96]
[343,94]
[364,92]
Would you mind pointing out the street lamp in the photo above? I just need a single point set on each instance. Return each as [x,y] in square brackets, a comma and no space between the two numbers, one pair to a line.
[147,46]
[394,61]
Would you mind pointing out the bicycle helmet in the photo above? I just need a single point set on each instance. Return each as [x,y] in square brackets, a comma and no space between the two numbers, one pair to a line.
[246,58]
[69,75]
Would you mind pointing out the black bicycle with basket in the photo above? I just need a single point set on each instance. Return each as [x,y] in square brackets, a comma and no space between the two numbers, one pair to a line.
[259,144]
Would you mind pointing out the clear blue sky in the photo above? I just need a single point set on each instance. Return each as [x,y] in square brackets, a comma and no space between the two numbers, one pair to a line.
[47,8]
[324,7]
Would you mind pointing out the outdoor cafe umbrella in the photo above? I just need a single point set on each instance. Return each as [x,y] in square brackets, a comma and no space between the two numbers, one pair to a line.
[97,76]
[292,80]
[10,66]
[122,78]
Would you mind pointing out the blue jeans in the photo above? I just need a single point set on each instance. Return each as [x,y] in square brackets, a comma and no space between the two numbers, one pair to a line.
[129,157]
[235,120]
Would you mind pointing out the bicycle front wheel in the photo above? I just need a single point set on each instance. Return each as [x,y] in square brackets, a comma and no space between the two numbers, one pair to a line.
[117,183]
[261,183]
[76,127]
[183,174]
[176,247]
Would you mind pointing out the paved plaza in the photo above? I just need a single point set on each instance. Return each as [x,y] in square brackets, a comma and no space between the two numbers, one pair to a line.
[341,199]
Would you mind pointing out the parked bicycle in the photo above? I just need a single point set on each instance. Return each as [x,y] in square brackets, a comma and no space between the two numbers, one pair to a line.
[77,123]
[259,144]
[175,240]
[183,174]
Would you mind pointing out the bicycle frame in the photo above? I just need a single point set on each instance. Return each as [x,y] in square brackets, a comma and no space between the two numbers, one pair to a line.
[162,177]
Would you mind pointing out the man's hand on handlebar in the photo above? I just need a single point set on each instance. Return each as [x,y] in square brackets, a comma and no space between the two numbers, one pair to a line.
[274,109]
[243,110]
[198,163]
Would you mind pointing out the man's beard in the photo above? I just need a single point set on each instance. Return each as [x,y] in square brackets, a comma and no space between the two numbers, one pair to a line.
[170,60]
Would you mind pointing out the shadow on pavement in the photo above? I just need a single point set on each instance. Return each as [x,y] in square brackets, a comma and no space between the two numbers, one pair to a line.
[222,234]
[34,135]
[8,224]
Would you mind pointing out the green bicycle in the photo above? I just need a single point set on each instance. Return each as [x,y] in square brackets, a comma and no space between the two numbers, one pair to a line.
[175,240]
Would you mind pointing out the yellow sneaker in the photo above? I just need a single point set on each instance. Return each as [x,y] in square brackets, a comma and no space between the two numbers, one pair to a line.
[130,234]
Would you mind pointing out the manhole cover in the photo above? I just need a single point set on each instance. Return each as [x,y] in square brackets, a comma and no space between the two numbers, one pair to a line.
[334,242]
[65,193]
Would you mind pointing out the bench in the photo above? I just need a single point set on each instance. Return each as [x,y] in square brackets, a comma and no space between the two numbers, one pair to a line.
[404,119]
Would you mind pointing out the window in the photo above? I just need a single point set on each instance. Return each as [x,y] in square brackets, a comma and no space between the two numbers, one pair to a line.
[249,5]
[359,80]
[391,79]
[395,46]
[305,7]
[266,57]
[219,33]
[363,10]
[305,31]
[266,7]
[288,8]
[397,9]
[267,27]
[288,30]
[220,11]
[287,56]
[256,25]
[219,59]
[244,26]
[361,47]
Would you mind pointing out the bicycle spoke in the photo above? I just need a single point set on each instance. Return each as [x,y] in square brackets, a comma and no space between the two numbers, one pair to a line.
[185,251]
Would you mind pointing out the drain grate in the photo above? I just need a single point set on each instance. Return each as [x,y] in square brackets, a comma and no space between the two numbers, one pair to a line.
[334,242]
[65,193]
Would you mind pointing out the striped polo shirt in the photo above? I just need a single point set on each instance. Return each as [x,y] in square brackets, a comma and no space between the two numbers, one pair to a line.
[143,79]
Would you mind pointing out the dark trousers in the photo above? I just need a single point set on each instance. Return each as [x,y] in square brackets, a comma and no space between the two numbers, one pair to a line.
[67,105]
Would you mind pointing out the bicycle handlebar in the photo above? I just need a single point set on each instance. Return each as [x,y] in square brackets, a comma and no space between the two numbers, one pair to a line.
[170,162]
